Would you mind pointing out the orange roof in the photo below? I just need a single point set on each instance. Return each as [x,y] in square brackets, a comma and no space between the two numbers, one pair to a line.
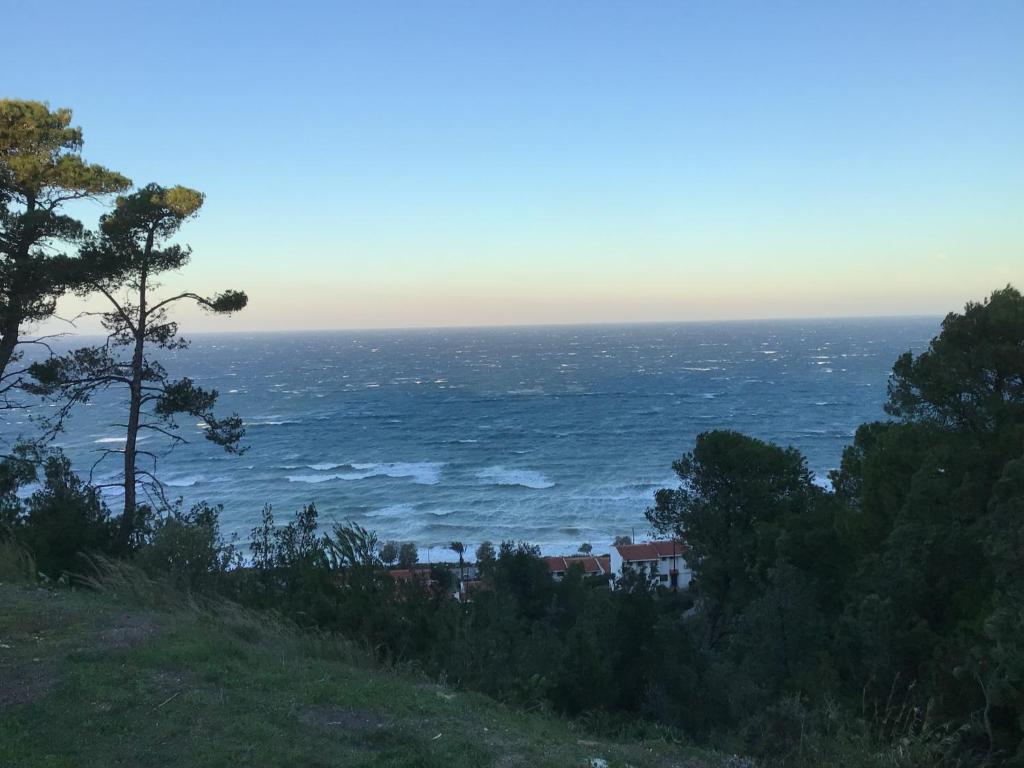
[406,574]
[590,564]
[650,550]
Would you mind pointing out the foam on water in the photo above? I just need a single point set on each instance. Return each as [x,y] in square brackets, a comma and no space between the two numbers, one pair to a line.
[422,473]
[527,478]
[541,434]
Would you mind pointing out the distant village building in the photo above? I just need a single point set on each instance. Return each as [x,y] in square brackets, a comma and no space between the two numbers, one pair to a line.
[558,567]
[418,574]
[662,561]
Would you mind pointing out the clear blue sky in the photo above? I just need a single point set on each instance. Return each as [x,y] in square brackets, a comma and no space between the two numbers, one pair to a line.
[429,163]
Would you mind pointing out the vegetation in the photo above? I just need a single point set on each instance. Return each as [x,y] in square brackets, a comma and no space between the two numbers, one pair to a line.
[41,171]
[876,623]
[130,674]
[131,253]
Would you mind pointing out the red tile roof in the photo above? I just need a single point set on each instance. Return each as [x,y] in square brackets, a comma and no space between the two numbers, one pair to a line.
[590,564]
[650,550]
[405,574]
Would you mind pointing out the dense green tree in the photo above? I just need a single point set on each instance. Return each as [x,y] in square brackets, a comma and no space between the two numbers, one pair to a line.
[63,519]
[934,503]
[408,555]
[131,254]
[734,490]
[41,171]
[971,377]
[389,553]
[485,555]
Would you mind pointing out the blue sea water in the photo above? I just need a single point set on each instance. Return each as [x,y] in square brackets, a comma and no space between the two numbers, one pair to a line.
[553,435]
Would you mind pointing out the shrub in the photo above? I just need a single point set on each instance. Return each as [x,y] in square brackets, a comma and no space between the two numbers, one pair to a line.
[63,519]
[187,548]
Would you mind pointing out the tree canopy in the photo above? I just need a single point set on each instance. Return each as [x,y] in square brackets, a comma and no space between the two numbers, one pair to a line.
[41,170]
[128,257]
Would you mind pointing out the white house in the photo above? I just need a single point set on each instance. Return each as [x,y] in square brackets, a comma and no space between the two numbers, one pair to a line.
[662,560]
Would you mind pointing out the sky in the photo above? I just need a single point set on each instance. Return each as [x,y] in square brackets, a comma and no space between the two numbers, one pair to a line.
[399,163]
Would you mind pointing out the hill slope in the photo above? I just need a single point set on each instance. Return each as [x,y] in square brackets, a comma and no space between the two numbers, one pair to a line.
[94,679]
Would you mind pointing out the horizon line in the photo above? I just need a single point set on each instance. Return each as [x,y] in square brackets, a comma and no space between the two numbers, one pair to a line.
[584,324]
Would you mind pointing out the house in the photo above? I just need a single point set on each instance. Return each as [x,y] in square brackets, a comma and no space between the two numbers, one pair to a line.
[420,574]
[592,566]
[662,560]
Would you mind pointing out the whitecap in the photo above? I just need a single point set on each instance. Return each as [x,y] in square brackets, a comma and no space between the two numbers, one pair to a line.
[421,473]
[310,478]
[393,510]
[527,478]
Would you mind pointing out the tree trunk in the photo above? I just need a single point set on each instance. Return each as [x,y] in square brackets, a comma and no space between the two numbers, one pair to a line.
[10,324]
[134,416]
[11,317]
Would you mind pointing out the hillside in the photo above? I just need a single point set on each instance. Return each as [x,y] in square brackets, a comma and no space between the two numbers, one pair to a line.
[91,678]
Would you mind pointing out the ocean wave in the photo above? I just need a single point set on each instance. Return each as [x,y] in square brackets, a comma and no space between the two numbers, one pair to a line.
[393,510]
[121,439]
[527,478]
[421,473]
[183,482]
[313,479]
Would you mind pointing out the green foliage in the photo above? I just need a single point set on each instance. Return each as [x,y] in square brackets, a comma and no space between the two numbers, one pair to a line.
[352,547]
[130,254]
[389,553]
[485,554]
[16,562]
[41,171]
[408,555]
[879,624]
[187,549]
[107,679]
[62,520]
[970,376]
[736,495]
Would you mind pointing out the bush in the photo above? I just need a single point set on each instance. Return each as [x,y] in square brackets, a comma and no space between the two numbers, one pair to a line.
[187,548]
[63,519]
[16,563]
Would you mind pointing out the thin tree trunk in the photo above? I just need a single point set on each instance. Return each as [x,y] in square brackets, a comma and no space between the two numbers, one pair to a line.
[134,417]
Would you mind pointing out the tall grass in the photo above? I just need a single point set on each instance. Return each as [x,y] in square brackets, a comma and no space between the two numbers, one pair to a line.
[16,562]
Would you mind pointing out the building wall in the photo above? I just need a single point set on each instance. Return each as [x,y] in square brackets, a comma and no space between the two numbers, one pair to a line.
[664,567]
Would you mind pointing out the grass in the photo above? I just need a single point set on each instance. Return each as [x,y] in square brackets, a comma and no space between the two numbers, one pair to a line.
[103,678]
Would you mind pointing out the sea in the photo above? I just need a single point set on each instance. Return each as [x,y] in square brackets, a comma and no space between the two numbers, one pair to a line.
[551,435]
